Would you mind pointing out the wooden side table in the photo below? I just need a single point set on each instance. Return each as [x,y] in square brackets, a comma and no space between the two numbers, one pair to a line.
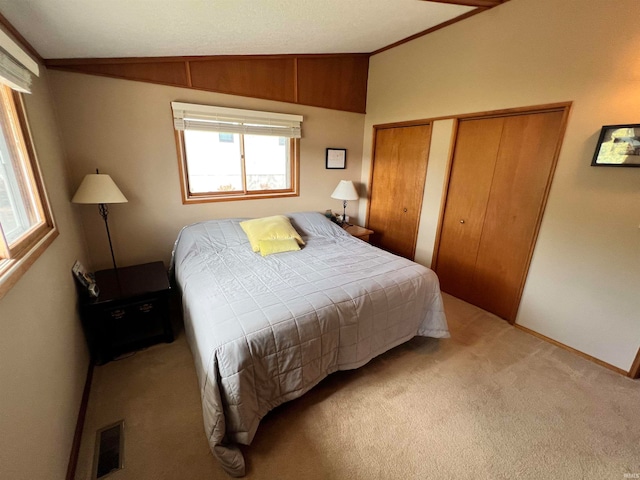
[131,311]
[359,232]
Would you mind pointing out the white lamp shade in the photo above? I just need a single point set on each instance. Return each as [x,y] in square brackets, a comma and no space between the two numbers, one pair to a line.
[345,191]
[98,188]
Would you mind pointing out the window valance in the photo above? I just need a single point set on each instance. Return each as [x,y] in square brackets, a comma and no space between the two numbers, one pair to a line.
[16,66]
[188,116]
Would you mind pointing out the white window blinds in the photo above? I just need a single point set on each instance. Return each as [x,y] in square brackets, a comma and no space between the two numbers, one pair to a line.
[16,66]
[188,116]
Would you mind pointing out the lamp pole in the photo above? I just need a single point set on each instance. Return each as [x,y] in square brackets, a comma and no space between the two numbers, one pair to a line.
[104,212]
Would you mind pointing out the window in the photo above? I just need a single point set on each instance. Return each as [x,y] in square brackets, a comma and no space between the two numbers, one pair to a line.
[231,154]
[26,224]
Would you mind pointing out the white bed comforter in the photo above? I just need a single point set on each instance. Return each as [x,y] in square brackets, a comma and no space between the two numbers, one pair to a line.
[265,330]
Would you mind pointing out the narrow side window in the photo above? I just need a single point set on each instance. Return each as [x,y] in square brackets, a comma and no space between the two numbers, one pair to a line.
[25,215]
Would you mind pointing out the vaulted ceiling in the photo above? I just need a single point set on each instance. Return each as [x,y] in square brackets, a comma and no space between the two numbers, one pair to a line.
[152,28]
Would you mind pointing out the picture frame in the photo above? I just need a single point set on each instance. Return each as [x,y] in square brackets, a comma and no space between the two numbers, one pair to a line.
[336,158]
[618,146]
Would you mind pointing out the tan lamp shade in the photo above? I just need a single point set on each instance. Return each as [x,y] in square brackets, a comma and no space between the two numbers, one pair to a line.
[98,188]
[345,191]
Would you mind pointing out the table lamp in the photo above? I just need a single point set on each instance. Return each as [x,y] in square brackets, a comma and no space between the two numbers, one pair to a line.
[345,191]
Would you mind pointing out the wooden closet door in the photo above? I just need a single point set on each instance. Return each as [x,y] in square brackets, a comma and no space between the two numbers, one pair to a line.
[474,160]
[522,174]
[499,181]
[397,187]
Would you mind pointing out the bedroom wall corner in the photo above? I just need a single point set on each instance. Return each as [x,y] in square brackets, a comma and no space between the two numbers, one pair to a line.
[581,286]
[43,359]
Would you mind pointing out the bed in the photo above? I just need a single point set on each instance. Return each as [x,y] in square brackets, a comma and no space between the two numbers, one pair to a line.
[265,330]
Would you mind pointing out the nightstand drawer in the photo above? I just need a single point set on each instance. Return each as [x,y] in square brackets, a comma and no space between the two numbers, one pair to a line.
[131,326]
[147,307]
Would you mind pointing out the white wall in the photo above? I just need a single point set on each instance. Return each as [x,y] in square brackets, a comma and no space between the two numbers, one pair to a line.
[439,152]
[43,355]
[125,129]
[582,285]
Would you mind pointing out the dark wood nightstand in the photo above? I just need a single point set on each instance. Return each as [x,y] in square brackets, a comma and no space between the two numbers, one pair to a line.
[358,232]
[131,312]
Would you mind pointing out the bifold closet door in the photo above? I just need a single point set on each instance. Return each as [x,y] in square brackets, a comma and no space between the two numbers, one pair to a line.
[501,172]
[397,187]
[474,160]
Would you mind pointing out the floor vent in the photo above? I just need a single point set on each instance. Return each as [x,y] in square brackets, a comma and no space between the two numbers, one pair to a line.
[109,454]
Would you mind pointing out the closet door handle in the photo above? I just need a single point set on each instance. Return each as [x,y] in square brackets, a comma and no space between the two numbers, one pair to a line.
[461,221]
[404,210]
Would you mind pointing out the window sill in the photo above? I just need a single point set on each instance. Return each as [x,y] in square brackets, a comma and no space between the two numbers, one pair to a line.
[11,270]
[230,198]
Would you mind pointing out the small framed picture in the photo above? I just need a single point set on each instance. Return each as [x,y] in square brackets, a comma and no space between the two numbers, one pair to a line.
[336,158]
[618,146]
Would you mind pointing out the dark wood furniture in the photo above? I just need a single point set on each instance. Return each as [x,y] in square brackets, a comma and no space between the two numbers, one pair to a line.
[131,311]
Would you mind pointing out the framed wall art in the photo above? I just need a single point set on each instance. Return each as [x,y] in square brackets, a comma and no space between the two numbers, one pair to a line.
[618,146]
[336,158]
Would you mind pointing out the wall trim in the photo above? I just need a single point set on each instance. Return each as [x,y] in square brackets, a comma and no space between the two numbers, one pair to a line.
[440,26]
[482,5]
[471,3]
[546,107]
[634,371]
[77,436]
[572,350]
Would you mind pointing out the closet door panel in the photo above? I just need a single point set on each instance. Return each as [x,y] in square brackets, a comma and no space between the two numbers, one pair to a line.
[384,183]
[397,187]
[474,160]
[522,173]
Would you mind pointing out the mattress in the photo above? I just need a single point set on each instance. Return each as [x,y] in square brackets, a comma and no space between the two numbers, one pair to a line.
[265,330]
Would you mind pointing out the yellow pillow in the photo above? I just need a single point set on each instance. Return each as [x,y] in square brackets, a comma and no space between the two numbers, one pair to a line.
[267,247]
[277,227]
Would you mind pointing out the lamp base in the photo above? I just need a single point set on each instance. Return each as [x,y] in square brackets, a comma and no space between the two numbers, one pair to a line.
[343,219]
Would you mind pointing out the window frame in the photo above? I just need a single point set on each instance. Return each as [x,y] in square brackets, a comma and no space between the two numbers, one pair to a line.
[206,197]
[17,257]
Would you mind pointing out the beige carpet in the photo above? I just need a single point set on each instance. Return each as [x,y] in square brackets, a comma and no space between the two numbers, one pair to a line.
[492,402]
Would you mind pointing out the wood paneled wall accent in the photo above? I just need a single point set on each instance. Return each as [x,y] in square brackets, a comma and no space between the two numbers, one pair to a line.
[271,78]
[166,73]
[335,81]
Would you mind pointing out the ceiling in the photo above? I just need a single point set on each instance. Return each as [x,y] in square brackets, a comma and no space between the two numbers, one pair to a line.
[152,28]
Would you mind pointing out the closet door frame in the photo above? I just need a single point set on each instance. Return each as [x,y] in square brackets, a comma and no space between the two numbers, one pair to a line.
[564,107]
[410,123]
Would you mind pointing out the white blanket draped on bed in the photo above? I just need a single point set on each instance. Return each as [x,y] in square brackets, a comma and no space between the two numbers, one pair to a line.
[265,330]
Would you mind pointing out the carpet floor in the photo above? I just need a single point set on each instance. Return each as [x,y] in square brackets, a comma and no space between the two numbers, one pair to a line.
[492,402]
